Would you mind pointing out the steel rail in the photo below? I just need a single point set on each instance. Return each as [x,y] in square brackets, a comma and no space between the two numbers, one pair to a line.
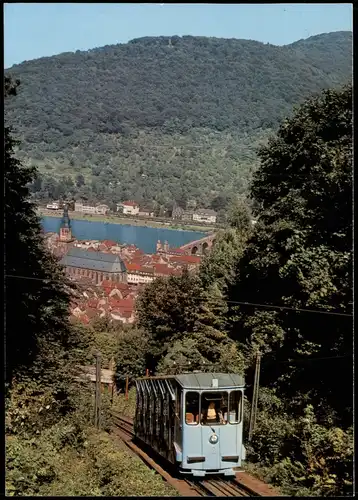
[242,485]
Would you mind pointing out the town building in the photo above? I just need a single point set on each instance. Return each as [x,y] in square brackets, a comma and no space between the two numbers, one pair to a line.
[180,213]
[177,212]
[205,215]
[53,206]
[145,212]
[95,266]
[138,274]
[128,208]
[199,215]
[188,215]
[100,209]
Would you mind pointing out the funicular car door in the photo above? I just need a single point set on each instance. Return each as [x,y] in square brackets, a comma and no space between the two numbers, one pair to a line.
[214,428]
[193,453]
[231,433]
[178,427]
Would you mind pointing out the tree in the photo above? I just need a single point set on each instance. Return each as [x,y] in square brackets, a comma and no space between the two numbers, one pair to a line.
[80,180]
[300,257]
[220,202]
[220,265]
[131,355]
[239,217]
[185,134]
[37,293]
[176,309]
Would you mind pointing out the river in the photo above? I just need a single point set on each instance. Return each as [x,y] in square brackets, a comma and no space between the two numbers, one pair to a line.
[143,237]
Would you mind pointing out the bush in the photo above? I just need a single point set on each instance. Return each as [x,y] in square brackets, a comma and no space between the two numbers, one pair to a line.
[66,456]
[299,455]
[130,358]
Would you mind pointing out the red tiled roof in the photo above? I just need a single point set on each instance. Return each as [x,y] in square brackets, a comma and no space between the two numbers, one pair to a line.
[129,204]
[177,251]
[187,259]
[114,284]
[109,243]
[122,303]
[131,266]
[92,303]
[122,313]
[91,313]
[139,268]
[162,269]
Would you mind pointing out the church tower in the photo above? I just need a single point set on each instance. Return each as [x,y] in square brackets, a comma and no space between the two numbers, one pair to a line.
[65,228]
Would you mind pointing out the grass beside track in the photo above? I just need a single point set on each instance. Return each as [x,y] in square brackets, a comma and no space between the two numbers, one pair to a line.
[123,406]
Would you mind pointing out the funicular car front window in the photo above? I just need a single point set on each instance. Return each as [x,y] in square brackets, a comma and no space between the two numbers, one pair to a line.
[214,408]
[192,408]
[235,407]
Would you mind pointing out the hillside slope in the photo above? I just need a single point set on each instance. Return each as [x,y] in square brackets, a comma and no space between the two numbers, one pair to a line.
[159,112]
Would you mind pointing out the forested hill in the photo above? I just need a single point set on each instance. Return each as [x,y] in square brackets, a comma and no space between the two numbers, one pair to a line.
[176,110]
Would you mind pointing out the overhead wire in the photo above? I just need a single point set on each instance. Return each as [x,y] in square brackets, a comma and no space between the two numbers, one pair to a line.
[202,299]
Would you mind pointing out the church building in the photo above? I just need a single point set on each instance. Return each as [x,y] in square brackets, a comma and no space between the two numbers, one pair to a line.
[96,266]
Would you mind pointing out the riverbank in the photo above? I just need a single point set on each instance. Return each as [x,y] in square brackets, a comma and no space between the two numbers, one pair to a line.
[114,219]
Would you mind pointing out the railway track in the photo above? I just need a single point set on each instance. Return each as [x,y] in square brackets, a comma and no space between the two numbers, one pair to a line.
[242,485]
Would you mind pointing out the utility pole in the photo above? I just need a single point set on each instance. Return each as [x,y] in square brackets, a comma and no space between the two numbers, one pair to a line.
[127,383]
[97,402]
[255,395]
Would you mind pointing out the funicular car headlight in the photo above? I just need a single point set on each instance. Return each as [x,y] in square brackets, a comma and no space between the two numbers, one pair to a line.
[213,439]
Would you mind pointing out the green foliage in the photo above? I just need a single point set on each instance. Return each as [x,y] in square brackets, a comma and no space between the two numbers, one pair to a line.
[239,217]
[125,406]
[301,257]
[299,455]
[98,467]
[130,356]
[165,122]
[183,355]
[220,266]
[178,314]
[35,284]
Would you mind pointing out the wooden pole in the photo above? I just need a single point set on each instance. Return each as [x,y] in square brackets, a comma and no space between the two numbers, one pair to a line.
[147,372]
[255,395]
[127,383]
[257,388]
[97,405]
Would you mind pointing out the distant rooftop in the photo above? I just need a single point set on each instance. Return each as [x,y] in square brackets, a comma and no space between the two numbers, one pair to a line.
[129,204]
[205,211]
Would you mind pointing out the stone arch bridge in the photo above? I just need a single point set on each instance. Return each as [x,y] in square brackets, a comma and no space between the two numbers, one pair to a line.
[200,247]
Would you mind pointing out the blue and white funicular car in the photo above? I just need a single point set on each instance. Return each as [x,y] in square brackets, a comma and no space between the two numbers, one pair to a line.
[195,420]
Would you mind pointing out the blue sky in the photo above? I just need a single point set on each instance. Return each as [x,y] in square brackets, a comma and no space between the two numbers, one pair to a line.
[35,30]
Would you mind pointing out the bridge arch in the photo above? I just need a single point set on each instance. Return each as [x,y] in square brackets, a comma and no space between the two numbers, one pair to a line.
[194,250]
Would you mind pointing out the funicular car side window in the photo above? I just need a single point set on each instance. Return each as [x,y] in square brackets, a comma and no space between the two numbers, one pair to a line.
[235,407]
[214,408]
[192,408]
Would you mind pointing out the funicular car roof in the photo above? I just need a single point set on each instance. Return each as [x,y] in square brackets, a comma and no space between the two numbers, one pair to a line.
[204,380]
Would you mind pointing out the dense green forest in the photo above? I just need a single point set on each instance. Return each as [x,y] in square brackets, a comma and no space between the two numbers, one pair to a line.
[282,288]
[164,118]
[52,446]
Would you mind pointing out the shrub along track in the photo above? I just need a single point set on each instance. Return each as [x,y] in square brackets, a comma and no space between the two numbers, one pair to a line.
[242,485]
